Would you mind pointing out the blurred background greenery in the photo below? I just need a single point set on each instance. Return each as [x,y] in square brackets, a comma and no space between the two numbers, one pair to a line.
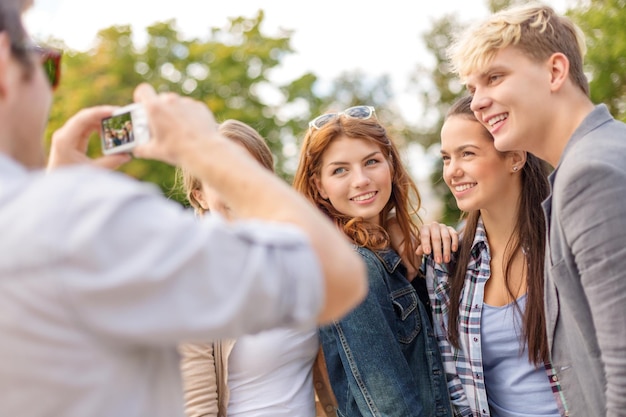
[230,71]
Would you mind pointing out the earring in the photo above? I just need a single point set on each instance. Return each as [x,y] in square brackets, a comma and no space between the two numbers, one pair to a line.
[515,169]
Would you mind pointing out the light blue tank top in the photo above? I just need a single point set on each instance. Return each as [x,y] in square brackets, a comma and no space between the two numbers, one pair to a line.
[515,387]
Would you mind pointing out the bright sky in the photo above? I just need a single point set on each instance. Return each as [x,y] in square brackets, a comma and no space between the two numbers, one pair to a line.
[330,36]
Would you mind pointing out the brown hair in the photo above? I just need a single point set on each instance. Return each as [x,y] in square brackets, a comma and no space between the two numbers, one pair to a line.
[237,132]
[529,234]
[404,200]
[535,29]
[11,23]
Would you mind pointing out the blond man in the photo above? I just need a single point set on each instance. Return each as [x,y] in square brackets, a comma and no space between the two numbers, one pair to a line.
[524,67]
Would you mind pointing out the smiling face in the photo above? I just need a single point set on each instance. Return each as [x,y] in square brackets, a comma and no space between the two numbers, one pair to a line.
[355,177]
[512,98]
[478,175]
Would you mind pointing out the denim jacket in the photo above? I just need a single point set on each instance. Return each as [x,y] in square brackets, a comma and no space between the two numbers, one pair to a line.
[382,358]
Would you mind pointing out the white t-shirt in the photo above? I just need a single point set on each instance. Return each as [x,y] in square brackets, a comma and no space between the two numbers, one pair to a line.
[101,278]
[270,374]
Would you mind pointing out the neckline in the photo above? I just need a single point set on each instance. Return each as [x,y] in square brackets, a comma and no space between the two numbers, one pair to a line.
[519,299]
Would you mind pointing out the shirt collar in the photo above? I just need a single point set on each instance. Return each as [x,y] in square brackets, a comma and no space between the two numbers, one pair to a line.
[480,244]
[598,116]
[389,258]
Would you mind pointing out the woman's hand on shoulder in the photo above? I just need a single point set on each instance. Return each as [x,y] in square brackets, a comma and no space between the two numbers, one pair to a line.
[438,240]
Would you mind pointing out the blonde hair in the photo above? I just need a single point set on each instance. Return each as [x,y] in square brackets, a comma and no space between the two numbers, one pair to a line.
[238,132]
[534,28]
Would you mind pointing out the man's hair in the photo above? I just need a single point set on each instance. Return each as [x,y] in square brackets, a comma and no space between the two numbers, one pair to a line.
[11,24]
[535,29]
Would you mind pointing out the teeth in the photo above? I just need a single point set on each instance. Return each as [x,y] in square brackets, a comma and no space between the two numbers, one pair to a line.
[464,187]
[364,196]
[497,119]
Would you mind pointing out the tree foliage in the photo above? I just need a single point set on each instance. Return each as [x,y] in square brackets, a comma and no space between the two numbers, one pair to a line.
[602,21]
[231,71]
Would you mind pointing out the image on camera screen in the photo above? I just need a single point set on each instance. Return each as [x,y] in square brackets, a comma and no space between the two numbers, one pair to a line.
[118,130]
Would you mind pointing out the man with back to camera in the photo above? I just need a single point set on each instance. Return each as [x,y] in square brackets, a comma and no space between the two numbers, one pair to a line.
[101,277]
[524,67]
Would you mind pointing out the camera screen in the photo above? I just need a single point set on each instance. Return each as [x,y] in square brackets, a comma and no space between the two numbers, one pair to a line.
[117,130]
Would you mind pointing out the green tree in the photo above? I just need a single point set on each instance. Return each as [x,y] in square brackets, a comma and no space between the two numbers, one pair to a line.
[436,94]
[348,89]
[602,21]
[230,71]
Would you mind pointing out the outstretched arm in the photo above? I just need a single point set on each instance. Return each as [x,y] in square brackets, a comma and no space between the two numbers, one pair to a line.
[184,132]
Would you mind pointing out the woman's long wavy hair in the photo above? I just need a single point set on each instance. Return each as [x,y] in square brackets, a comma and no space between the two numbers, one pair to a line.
[529,235]
[403,204]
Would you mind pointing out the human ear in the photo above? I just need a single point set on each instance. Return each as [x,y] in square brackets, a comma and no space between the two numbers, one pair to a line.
[559,70]
[518,159]
[320,188]
[198,195]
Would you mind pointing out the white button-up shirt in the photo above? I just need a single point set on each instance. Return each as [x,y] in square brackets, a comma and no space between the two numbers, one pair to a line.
[101,278]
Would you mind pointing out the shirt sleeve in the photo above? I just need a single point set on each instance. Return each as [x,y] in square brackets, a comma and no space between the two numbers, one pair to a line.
[197,365]
[594,222]
[439,293]
[141,269]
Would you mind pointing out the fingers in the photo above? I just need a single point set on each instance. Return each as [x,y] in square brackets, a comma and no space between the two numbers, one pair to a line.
[75,132]
[455,238]
[430,239]
[144,93]
[69,143]
[419,251]
[439,240]
[178,125]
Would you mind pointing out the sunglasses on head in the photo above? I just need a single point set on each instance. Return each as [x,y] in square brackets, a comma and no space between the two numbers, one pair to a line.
[50,59]
[356,112]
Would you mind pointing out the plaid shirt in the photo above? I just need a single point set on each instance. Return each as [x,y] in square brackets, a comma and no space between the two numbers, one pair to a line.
[464,367]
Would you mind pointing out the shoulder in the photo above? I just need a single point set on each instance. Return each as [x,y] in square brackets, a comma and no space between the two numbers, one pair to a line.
[78,203]
[83,195]
[379,261]
[376,271]
[604,144]
[590,166]
[366,254]
[90,184]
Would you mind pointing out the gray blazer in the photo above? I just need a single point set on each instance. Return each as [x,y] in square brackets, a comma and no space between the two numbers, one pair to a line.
[585,289]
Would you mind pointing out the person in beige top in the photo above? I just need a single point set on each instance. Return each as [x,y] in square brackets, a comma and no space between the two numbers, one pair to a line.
[204,383]
[269,373]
